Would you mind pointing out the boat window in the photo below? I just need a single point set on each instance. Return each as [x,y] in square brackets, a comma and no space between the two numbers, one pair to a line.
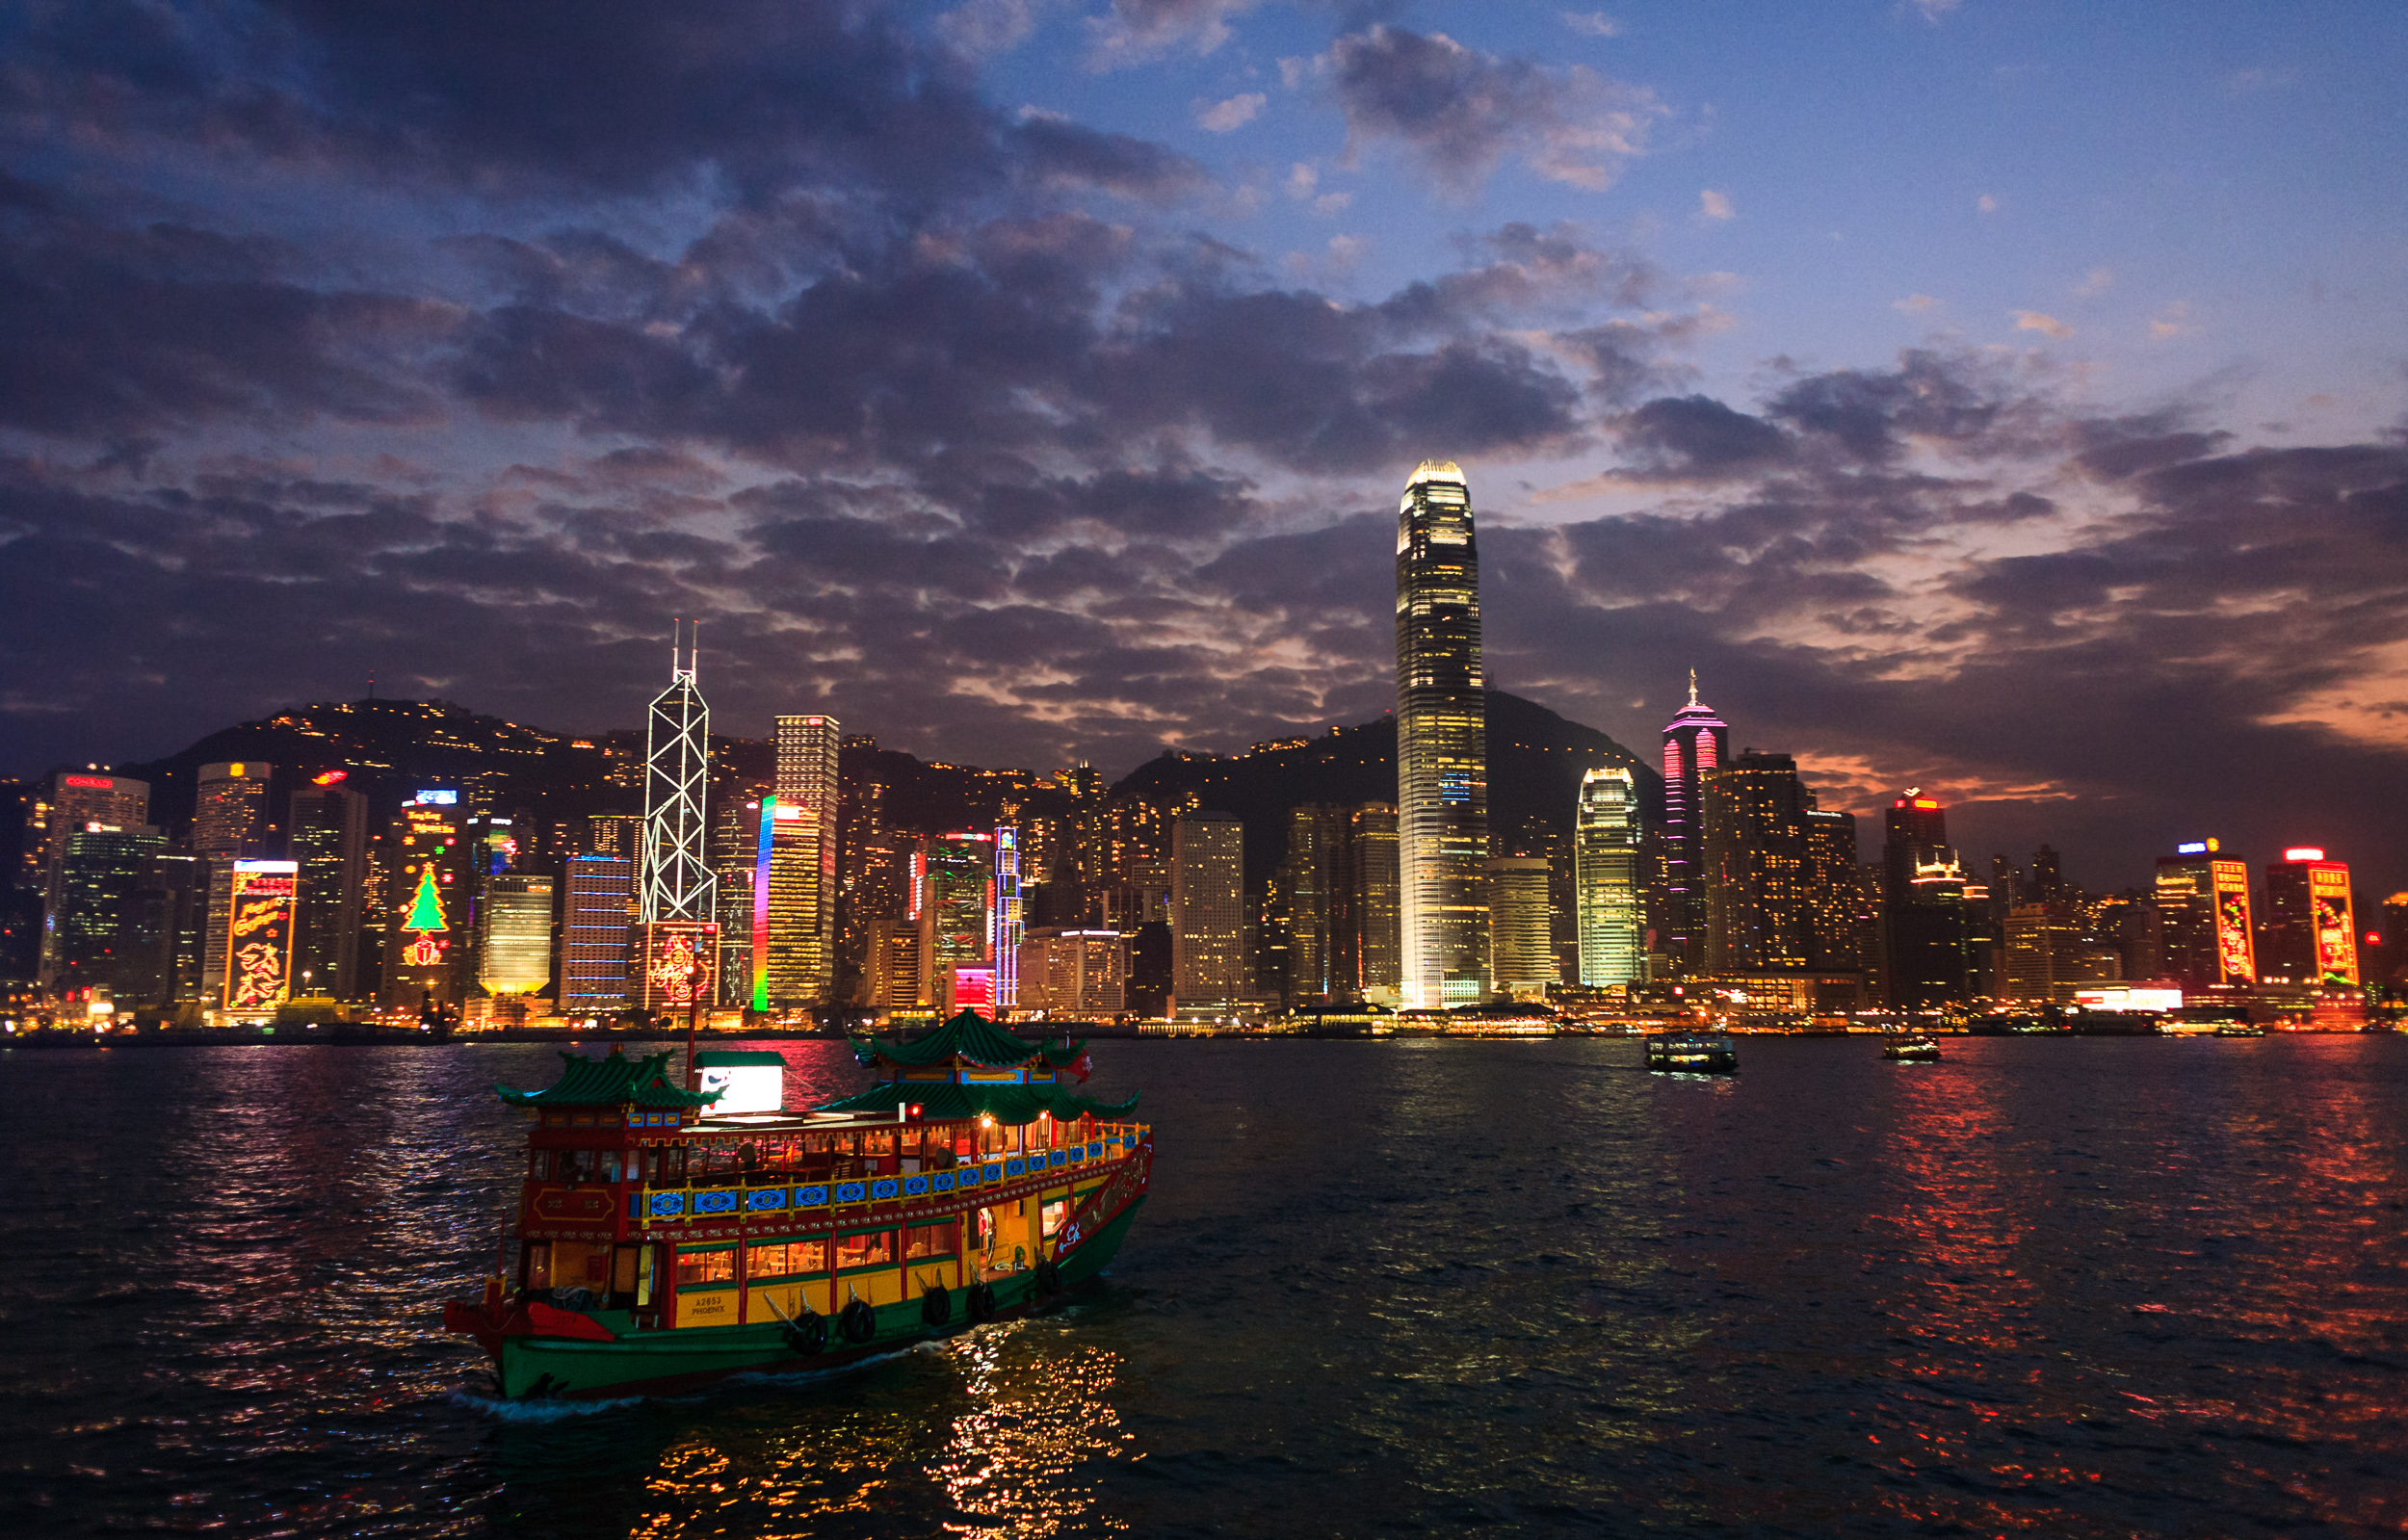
[715,1265]
[624,1265]
[785,1259]
[929,1241]
[539,1165]
[610,1167]
[643,1277]
[1051,1216]
[877,1143]
[872,1250]
[540,1264]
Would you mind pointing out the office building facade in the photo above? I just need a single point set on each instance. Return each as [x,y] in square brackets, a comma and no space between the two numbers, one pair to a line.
[1521,934]
[1753,826]
[1208,965]
[1696,742]
[1605,880]
[1442,744]
[801,878]
[329,842]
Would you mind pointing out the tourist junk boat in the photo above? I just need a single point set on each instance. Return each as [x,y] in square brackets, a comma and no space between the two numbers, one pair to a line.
[1691,1053]
[1915,1047]
[664,1241]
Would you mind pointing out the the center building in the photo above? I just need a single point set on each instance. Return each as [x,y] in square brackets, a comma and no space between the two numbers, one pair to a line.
[1442,745]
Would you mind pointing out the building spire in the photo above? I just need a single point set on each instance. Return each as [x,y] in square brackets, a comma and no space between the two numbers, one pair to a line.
[1692,687]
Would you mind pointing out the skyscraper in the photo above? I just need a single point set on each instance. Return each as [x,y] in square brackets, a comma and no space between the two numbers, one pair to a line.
[2310,934]
[677,897]
[330,843]
[428,895]
[1754,825]
[1376,909]
[1207,912]
[592,966]
[230,821]
[78,800]
[1694,742]
[1317,893]
[1927,962]
[1520,927]
[1005,923]
[261,913]
[952,891]
[1442,743]
[2204,897]
[515,934]
[100,866]
[1605,854]
[1840,934]
[801,877]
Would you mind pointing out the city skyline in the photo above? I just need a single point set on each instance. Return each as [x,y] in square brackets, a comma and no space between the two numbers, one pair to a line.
[2001,405]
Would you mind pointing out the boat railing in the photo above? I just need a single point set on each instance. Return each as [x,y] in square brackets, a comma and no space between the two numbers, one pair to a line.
[738,1199]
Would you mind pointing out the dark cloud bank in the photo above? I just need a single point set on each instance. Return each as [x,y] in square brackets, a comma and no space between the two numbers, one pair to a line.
[464,347]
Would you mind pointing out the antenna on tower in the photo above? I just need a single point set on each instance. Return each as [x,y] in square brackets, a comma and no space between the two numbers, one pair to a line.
[693,653]
[1692,687]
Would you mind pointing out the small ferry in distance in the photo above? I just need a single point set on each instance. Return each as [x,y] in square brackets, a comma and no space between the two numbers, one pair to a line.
[668,1235]
[1916,1048]
[1691,1053]
[2240,1029]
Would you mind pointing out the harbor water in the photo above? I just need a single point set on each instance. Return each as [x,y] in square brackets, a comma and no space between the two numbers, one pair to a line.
[2090,1287]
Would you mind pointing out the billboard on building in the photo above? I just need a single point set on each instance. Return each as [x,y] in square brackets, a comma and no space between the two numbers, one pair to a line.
[2235,946]
[259,933]
[677,963]
[2335,925]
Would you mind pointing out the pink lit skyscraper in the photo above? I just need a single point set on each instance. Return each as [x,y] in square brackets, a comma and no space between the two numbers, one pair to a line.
[1694,742]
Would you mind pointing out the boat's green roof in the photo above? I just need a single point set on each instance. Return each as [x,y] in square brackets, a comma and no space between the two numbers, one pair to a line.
[946,1102]
[613,1082]
[968,1035]
[723,1057]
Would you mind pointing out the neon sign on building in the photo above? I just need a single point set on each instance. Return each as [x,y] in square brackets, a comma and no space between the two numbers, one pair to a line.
[259,933]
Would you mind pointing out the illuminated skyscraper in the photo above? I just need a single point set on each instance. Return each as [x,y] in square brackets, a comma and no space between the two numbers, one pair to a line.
[1755,865]
[1442,744]
[77,801]
[2211,941]
[801,877]
[1208,970]
[100,866]
[261,913]
[329,842]
[515,934]
[1694,742]
[230,821]
[1319,902]
[1927,958]
[428,897]
[1374,917]
[1604,856]
[1005,923]
[952,893]
[2311,929]
[676,883]
[1840,933]
[592,966]
[1521,938]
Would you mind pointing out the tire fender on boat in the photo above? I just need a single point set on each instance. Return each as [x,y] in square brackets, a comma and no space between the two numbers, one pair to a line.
[982,1302]
[807,1333]
[1048,1279]
[936,1306]
[858,1323]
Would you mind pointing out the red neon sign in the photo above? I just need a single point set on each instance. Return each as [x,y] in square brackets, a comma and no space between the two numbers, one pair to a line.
[330,778]
[2304,852]
[101,782]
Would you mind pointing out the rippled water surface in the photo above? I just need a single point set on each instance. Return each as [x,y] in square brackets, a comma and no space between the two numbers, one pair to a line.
[2088,1287]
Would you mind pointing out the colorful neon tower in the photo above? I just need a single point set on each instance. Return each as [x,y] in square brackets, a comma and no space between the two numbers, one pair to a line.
[1442,744]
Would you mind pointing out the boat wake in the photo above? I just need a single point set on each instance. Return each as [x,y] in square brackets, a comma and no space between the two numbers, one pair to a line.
[542,1410]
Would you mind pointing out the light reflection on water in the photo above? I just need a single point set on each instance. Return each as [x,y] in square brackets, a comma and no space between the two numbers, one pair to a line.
[2084,1289]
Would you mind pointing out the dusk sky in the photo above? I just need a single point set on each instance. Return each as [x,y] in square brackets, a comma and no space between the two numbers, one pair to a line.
[2005,399]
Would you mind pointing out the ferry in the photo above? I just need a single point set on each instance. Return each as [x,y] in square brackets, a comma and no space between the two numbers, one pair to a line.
[1922,1048]
[670,1234]
[2240,1028]
[1691,1053]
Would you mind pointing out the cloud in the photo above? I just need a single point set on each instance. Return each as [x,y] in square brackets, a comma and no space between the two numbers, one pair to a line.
[1459,113]
[2174,320]
[1221,118]
[984,29]
[1714,206]
[1914,305]
[2097,282]
[2047,326]
[1986,203]
[1592,23]
[1133,32]
[1933,10]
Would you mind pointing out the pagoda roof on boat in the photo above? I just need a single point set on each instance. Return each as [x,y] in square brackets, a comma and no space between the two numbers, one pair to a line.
[943,1101]
[613,1082]
[968,1039]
